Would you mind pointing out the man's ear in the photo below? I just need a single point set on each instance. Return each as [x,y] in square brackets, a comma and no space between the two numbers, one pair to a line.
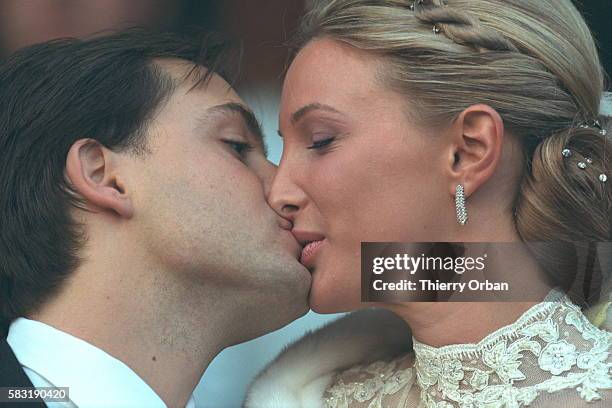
[477,147]
[92,170]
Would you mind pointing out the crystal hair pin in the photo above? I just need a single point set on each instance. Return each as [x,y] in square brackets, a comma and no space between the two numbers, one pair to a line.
[415,3]
[436,28]
[566,153]
[594,124]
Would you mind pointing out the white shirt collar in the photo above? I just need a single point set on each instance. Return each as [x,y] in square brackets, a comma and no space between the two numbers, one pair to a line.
[95,378]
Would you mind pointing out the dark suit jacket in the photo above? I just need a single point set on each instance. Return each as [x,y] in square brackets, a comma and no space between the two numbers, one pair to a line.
[12,375]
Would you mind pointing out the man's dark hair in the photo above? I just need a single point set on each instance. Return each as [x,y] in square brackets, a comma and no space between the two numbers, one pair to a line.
[51,95]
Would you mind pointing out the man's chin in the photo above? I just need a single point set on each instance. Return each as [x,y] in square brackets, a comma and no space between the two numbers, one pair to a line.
[289,282]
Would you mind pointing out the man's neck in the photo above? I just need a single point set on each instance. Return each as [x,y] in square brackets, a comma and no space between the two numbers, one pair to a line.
[166,334]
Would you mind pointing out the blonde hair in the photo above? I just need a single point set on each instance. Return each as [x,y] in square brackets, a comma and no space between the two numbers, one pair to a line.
[534,61]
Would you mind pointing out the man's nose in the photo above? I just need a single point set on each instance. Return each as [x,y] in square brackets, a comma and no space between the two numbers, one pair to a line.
[283,195]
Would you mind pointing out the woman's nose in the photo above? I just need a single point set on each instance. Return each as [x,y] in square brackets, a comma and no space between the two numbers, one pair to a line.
[283,195]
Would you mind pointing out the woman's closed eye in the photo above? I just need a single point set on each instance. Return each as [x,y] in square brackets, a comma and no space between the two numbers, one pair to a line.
[322,143]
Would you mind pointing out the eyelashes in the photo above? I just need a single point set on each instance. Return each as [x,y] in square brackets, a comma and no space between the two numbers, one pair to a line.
[321,144]
[241,148]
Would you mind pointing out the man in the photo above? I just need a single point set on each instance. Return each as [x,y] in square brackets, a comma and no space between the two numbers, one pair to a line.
[135,239]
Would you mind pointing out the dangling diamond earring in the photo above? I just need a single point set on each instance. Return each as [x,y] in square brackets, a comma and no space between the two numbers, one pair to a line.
[462,216]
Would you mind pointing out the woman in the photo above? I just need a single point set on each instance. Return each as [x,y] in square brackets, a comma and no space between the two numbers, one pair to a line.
[458,121]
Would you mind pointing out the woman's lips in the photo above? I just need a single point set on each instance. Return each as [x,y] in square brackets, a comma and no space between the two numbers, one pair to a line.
[310,251]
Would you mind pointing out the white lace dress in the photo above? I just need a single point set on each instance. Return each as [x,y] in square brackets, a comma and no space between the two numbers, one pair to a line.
[552,356]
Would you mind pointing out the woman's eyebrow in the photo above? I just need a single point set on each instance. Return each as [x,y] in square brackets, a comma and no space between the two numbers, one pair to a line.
[303,111]
[300,113]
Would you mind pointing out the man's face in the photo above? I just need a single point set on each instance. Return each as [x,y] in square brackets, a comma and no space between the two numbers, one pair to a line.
[199,199]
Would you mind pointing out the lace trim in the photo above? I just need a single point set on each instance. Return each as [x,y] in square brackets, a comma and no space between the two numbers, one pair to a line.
[550,348]
[549,304]
[381,379]
[554,342]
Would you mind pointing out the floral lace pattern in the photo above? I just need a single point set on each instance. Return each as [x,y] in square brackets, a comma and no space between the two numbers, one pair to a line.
[562,349]
[552,347]
[378,380]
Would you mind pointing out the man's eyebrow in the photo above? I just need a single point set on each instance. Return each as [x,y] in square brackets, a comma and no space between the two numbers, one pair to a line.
[247,116]
[300,113]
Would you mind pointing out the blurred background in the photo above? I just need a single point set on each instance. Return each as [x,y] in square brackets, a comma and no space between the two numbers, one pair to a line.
[263,26]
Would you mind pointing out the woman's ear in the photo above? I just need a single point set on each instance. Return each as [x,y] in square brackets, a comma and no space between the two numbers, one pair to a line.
[478,147]
[92,170]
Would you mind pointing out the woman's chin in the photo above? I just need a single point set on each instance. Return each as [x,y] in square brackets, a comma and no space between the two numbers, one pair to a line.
[327,300]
